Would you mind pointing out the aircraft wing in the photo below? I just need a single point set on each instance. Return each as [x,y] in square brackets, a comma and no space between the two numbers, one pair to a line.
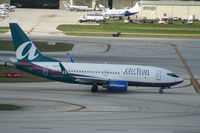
[89,79]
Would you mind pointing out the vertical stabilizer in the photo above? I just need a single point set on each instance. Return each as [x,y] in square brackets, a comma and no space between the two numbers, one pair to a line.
[104,10]
[66,4]
[25,49]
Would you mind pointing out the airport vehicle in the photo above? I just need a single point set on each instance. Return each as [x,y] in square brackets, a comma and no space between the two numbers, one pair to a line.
[7,7]
[161,21]
[111,76]
[190,21]
[3,14]
[76,8]
[112,13]
[92,18]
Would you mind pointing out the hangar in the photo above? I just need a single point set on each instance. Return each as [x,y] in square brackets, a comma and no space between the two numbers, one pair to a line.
[148,9]
[57,4]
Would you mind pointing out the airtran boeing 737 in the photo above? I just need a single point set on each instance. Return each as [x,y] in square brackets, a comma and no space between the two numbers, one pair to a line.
[113,77]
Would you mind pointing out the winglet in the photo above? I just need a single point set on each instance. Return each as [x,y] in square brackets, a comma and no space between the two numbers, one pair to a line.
[62,67]
[70,58]
[63,70]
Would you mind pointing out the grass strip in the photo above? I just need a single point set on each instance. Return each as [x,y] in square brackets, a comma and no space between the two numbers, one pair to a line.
[3,29]
[158,30]
[7,45]
[26,77]
[136,35]
[4,107]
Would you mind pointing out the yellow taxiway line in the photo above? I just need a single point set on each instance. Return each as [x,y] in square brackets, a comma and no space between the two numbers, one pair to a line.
[192,78]
[21,101]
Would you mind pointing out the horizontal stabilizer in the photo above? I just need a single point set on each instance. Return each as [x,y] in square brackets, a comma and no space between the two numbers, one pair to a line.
[13,60]
[70,58]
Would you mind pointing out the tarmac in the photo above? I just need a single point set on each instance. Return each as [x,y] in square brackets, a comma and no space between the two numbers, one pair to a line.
[43,21]
[62,107]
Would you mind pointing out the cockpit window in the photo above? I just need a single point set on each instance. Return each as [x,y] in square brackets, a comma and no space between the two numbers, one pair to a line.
[172,75]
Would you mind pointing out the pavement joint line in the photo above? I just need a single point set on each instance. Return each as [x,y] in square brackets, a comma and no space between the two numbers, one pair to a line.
[28,32]
[31,30]
[192,78]
[79,107]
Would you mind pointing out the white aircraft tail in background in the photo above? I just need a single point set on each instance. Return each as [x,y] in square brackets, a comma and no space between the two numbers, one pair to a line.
[76,8]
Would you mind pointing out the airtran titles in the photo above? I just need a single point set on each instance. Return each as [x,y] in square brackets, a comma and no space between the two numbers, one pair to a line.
[137,71]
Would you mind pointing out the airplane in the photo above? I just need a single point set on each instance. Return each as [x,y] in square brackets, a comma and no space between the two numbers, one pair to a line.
[114,77]
[76,8]
[119,12]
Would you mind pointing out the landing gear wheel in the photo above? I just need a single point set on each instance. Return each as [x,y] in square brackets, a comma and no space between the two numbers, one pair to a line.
[161,91]
[94,88]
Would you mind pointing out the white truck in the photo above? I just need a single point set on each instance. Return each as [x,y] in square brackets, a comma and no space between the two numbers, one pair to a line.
[3,14]
[92,18]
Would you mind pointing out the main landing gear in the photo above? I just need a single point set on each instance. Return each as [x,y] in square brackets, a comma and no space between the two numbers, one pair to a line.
[94,88]
[161,90]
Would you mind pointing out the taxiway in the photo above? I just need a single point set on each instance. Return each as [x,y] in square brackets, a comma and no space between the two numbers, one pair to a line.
[59,107]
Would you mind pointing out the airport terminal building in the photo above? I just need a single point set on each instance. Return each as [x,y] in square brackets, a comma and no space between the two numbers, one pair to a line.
[148,9]
[170,9]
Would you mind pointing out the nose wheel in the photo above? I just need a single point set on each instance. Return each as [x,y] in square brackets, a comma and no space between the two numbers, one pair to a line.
[94,88]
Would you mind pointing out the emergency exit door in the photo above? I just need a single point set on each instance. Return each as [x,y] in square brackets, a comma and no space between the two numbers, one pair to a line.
[45,71]
[158,75]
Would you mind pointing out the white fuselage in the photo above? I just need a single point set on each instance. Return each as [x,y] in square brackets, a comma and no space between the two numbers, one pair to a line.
[77,8]
[119,12]
[130,73]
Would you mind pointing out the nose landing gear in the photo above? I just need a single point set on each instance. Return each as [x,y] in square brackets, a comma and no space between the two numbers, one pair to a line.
[161,90]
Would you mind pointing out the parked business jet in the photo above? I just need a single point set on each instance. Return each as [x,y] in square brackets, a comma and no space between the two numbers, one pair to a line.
[76,8]
[113,77]
[119,12]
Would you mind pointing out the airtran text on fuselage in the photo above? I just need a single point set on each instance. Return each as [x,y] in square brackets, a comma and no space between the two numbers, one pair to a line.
[137,71]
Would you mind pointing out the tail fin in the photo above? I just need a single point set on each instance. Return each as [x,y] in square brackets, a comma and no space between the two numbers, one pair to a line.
[66,4]
[102,8]
[26,51]
[136,8]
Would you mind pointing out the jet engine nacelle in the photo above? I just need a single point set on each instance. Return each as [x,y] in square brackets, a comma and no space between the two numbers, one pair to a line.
[117,85]
[127,13]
